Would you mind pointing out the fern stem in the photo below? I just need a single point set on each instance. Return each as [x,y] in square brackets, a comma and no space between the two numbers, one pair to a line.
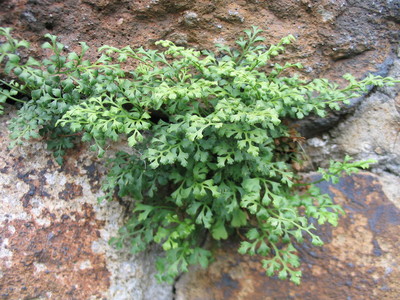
[11,97]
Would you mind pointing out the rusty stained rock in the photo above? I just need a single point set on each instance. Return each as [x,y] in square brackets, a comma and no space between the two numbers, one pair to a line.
[46,243]
[333,37]
[328,32]
[360,258]
[54,261]
[54,234]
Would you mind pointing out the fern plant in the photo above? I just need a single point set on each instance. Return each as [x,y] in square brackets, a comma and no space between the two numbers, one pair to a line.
[211,153]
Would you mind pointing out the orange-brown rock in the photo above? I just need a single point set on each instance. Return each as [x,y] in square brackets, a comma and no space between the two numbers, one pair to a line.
[328,32]
[54,234]
[360,258]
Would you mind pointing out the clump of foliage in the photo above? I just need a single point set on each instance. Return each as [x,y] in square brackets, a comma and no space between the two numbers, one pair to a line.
[211,155]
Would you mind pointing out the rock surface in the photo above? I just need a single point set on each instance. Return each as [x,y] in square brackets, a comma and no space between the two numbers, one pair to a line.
[360,258]
[371,132]
[53,233]
[328,32]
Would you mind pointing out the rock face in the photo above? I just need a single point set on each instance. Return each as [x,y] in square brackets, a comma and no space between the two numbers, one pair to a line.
[371,132]
[360,259]
[54,233]
[328,32]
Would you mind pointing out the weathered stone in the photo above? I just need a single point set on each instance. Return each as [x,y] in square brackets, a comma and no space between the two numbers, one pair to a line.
[190,18]
[54,234]
[359,260]
[179,38]
[371,132]
[334,37]
[46,208]
[232,14]
[326,30]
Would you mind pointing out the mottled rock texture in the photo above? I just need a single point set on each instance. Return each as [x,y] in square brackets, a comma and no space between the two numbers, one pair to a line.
[372,131]
[360,259]
[53,233]
[328,32]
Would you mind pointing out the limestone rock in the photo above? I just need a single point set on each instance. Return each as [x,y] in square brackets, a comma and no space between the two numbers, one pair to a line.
[54,234]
